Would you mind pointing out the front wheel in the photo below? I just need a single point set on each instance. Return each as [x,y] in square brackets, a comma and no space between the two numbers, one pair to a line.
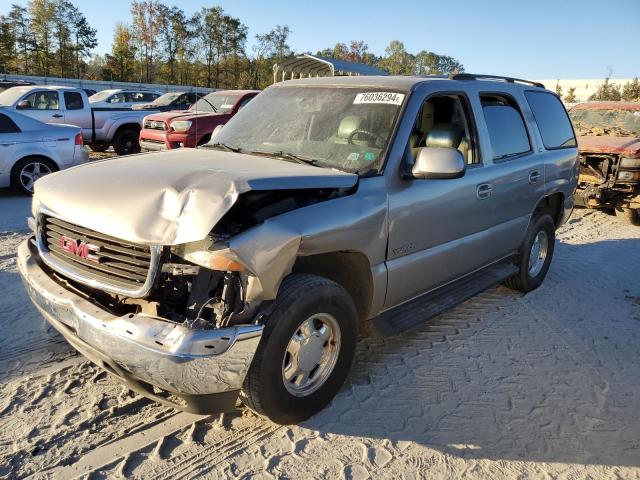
[534,258]
[306,350]
[631,215]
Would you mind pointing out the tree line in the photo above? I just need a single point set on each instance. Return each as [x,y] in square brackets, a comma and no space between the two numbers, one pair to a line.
[163,44]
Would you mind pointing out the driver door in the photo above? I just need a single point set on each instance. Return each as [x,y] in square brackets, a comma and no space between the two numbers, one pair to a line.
[439,228]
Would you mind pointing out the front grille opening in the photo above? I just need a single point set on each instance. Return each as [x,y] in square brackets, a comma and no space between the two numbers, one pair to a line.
[119,263]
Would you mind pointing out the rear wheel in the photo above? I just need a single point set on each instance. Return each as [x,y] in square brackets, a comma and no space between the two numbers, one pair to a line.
[25,172]
[631,215]
[534,257]
[98,147]
[126,142]
[306,350]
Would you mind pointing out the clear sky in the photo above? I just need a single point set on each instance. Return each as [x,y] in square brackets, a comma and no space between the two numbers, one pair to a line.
[533,39]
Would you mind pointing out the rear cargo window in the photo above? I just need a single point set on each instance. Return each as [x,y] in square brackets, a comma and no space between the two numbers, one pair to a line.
[7,125]
[506,128]
[73,101]
[552,119]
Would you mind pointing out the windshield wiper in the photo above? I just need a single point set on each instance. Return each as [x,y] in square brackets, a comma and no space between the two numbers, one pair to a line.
[288,156]
[224,146]
[215,110]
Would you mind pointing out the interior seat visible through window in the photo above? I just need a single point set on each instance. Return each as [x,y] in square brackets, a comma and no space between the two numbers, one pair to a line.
[442,122]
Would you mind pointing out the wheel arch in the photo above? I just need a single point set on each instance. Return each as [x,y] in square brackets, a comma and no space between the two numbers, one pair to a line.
[552,204]
[40,156]
[349,269]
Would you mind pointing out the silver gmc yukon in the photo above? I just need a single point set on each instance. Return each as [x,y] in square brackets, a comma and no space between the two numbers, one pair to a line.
[245,269]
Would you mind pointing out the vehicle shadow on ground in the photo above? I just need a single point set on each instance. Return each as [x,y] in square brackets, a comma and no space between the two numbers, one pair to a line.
[549,377]
[14,210]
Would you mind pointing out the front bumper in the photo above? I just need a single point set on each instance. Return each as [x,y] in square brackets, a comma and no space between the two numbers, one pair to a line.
[195,370]
[156,140]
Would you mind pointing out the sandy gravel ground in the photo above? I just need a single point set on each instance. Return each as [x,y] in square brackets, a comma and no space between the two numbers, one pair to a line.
[504,386]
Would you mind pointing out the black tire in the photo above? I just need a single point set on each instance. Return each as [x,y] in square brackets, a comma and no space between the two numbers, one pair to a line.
[204,140]
[300,297]
[631,215]
[126,142]
[98,147]
[524,280]
[17,178]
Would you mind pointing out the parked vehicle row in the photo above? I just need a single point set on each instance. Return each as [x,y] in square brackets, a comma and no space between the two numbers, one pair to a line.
[246,268]
[30,149]
[166,131]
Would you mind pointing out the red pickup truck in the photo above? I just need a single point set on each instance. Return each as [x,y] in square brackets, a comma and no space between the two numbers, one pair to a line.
[168,130]
[609,143]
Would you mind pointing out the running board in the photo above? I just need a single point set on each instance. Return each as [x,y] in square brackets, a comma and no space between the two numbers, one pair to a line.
[425,307]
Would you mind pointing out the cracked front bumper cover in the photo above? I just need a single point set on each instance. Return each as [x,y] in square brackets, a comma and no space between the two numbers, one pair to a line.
[195,370]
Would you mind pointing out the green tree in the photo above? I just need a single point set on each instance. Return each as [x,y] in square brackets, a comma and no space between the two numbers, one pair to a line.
[120,63]
[146,24]
[631,91]
[607,91]
[42,14]
[173,34]
[20,25]
[558,88]
[430,63]
[85,39]
[7,44]
[397,60]
[570,97]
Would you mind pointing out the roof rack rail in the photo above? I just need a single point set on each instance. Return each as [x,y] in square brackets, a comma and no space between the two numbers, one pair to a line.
[475,76]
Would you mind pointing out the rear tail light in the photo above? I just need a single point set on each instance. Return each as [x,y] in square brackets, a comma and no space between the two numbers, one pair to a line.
[79,139]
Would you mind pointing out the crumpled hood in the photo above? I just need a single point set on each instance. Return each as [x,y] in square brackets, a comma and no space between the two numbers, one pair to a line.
[625,146]
[170,197]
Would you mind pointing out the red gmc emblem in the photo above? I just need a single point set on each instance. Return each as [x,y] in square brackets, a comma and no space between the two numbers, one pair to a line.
[80,249]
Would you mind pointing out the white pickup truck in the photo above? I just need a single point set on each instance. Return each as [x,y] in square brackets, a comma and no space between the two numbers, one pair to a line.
[101,127]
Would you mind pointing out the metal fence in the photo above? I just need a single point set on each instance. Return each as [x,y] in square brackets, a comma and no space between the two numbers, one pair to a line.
[103,85]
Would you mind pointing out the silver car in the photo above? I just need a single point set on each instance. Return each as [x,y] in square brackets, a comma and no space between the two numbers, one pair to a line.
[325,207]
[30,149]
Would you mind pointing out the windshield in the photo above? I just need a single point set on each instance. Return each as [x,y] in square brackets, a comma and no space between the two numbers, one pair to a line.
[11,95]
[343,128]
[97,97]
[167,98]
[620,123]
[215,102]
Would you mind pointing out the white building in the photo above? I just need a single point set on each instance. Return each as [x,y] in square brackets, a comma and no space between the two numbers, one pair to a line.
[584,87]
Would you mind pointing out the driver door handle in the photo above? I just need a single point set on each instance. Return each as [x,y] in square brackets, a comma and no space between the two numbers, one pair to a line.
[56,115]
[483,191]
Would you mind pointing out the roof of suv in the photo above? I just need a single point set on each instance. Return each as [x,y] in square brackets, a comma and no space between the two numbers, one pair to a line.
[405,83]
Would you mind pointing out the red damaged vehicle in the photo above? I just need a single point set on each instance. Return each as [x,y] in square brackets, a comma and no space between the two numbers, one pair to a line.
[193,127]
[609,143]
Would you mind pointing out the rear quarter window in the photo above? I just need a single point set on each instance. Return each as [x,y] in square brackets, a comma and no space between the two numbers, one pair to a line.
[552,119]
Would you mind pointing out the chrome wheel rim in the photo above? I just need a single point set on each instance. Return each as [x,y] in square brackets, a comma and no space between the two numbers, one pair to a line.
[32,172]
[311,354]
[538,253]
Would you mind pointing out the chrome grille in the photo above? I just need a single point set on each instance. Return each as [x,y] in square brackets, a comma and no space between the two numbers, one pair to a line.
[116,265]
[155,125]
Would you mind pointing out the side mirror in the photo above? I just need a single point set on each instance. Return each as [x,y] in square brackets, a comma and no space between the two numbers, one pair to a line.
[23,105]
[216,131]
[438,162]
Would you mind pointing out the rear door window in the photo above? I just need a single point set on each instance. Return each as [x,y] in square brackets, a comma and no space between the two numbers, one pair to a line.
[552,119]
[507,131]
[73,101]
